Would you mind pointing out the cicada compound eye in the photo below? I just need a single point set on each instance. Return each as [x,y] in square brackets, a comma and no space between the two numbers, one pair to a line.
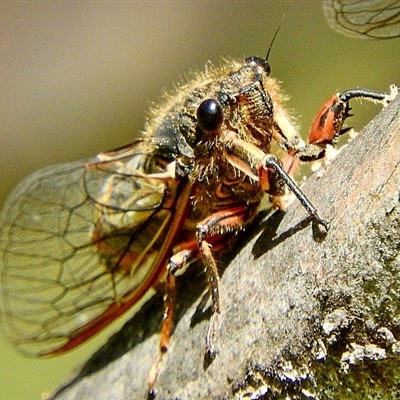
[261,62]
[209,115]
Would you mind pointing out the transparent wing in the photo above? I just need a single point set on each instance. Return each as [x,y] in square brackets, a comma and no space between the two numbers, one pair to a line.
[78,242]
[368,19]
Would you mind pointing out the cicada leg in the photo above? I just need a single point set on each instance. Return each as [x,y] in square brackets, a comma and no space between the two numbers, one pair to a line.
[208,232]
[176,262]
[271,164]
[271,174]
[219,223]
[327,127]
[328,124]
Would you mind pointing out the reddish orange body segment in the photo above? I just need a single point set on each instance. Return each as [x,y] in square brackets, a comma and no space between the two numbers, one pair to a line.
[324,126]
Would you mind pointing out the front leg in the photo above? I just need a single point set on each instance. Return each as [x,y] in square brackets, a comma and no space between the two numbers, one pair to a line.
[268,170]
[326,128]
[272,165]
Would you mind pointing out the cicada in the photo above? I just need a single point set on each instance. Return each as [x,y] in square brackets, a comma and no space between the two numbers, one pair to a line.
[81,243]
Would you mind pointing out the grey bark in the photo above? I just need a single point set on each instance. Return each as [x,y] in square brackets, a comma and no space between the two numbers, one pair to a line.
[304,315]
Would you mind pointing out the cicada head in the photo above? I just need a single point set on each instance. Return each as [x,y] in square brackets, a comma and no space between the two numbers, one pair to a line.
[237,101]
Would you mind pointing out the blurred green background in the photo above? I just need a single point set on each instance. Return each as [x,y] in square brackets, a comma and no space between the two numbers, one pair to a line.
[77,78]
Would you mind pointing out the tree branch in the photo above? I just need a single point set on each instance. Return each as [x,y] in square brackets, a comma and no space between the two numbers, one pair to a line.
[303,316]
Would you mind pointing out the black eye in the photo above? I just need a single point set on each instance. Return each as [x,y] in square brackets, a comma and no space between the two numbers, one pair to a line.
[209,115]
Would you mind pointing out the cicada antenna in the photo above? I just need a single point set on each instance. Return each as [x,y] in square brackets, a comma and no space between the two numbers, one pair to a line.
[263,62]
[273,40]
